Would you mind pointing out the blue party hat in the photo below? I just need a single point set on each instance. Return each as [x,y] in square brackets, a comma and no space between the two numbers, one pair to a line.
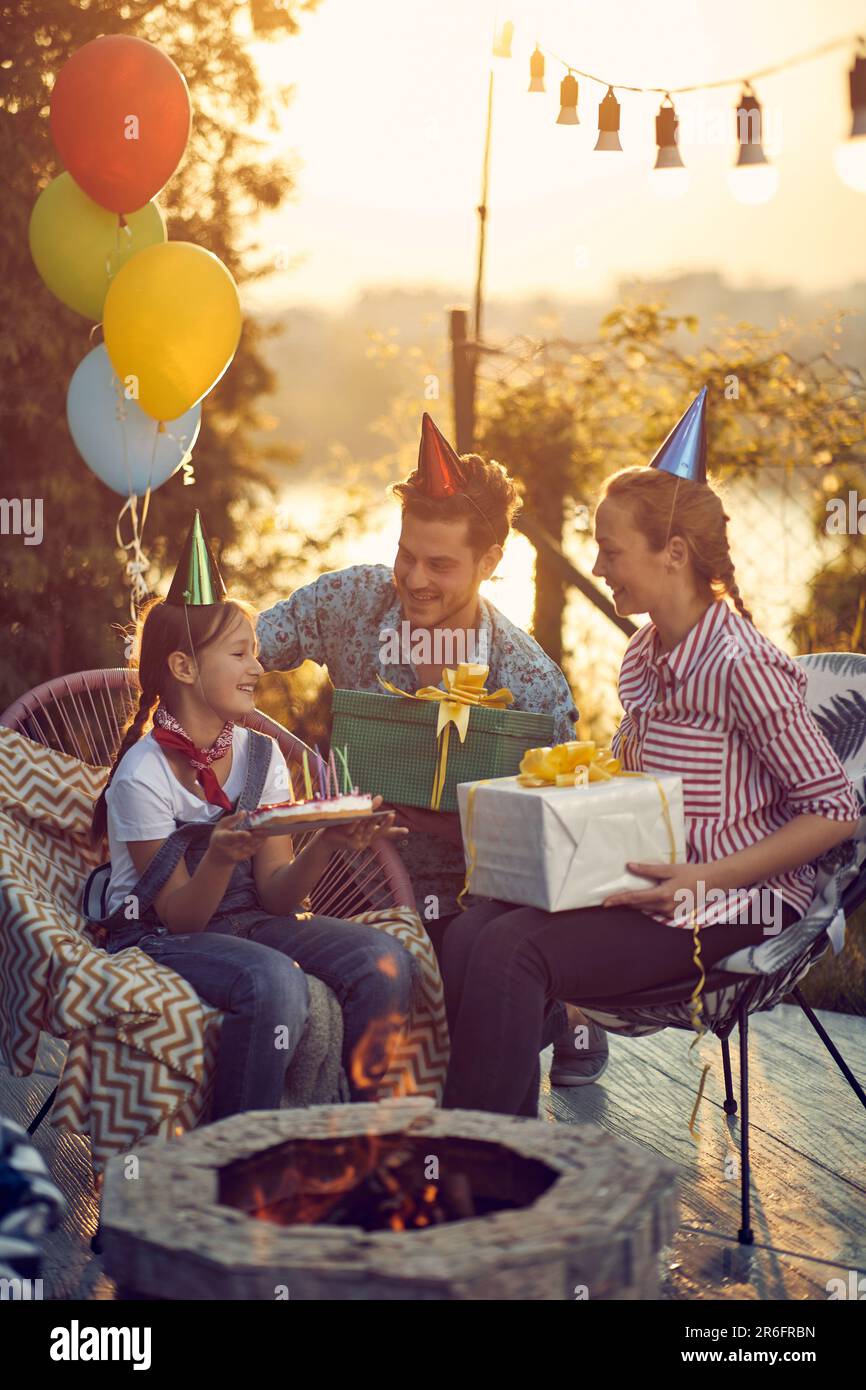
[684,452]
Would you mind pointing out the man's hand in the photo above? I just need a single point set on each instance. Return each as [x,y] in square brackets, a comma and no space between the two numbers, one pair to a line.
[444,824]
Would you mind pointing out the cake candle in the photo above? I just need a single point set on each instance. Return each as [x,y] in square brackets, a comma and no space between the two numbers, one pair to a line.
[319,770]
[308,786]
[347,781]
[332,773]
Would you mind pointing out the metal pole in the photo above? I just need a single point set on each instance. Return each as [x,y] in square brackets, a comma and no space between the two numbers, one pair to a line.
[482,210]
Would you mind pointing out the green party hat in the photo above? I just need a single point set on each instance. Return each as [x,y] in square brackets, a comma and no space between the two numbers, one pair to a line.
[197,580]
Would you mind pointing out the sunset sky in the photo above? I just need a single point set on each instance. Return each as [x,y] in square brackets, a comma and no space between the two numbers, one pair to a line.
[388,122]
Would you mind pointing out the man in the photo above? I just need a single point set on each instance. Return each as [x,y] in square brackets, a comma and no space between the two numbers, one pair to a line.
[405,623]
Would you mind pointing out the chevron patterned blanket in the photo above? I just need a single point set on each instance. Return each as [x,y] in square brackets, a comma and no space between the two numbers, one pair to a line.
[142,1045]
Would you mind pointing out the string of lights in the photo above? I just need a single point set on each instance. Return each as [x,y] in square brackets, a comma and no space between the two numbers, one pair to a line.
[753,178]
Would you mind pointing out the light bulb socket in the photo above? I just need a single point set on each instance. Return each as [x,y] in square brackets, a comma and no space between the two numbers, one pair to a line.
[536,71]
[857,83]
[502,40]
[568,92]
[857,89]
[749,132]
[608,114]
[667,127]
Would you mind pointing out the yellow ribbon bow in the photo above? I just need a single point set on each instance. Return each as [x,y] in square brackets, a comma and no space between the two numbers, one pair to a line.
[464,687]
[568,765]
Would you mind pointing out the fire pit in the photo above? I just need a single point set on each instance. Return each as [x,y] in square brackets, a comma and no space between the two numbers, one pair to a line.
[391,1201]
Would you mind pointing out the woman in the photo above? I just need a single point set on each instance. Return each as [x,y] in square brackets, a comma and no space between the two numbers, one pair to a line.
[708,697]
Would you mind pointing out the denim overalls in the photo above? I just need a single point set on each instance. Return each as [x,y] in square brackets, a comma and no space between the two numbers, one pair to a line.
[191,839]
[370,972]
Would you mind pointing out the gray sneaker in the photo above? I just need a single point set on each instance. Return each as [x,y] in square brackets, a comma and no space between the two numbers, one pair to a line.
[573,1066]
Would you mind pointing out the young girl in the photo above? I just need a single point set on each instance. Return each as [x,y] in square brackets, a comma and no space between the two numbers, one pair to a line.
[220,908]
[709,698]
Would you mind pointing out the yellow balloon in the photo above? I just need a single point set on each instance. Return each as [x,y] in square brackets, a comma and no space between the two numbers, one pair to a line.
[77,246]
[172,324]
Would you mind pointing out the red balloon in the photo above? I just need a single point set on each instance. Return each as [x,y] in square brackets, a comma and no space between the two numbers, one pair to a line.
[120,118]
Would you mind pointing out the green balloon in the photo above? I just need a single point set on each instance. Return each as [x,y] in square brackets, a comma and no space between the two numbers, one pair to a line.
[78,246]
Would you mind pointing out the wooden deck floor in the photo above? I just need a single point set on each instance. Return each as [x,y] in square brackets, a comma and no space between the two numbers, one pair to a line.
[808,1143]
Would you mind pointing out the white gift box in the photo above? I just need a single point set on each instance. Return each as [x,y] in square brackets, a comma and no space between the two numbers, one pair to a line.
[565,847]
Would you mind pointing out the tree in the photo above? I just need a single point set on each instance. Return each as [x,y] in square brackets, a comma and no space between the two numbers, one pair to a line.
[59,600]
[784,432]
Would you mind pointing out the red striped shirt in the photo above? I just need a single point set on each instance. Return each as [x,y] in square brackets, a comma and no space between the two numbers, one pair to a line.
[726,710]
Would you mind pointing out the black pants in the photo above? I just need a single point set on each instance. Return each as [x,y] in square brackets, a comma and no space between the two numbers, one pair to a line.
[505,966]
[436,931]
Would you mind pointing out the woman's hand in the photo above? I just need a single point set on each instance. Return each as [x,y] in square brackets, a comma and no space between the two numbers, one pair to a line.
[359,834]
[229,844]
[661,897]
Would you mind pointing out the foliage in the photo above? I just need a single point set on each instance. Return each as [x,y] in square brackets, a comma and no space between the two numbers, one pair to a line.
[564,415]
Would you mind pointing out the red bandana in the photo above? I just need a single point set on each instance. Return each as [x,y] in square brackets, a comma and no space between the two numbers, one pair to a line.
[170,734]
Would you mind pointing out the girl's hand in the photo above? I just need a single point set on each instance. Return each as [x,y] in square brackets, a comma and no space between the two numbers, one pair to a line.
[361,833]
[229,844]
[670,880]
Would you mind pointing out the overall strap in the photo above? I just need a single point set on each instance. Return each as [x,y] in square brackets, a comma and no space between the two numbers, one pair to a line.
[170,852]
[258,762]
[166,860]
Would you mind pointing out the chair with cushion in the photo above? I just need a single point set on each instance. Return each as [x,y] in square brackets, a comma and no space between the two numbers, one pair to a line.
[76,723]
[759,977]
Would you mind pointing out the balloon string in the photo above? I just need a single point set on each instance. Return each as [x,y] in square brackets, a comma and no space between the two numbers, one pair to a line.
[138,563]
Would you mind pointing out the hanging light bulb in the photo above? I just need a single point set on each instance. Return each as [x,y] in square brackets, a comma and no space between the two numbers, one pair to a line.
[568,101]
[850,156]
[502,38]
[668,178]
[608,123]
[536,71]
[753,179]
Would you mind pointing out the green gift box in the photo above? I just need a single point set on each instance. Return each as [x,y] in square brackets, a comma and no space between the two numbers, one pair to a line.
[393,750]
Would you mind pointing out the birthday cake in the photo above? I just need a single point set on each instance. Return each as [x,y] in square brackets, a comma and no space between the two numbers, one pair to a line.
[342,807]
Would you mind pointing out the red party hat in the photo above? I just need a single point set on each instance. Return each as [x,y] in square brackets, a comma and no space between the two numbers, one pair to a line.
[439,467]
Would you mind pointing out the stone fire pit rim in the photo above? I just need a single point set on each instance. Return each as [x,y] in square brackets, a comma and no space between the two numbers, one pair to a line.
[173,1204]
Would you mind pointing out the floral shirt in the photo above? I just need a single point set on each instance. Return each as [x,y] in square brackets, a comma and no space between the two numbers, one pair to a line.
[341,621]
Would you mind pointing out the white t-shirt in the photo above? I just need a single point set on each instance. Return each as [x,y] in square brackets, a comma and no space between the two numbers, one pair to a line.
[145,801]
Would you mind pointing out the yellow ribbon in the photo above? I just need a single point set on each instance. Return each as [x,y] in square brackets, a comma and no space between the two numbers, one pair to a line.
[577,764]
[464,687]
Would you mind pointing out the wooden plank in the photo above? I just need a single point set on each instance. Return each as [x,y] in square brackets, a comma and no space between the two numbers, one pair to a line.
[796,1090]
[807,1169]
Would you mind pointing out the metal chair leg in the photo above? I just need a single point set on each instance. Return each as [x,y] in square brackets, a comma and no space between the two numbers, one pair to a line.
[43,1111]
[744,1234]
[730,1105]
[831,1047]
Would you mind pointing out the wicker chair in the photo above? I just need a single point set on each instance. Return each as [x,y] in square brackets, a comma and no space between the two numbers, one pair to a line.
[84,715]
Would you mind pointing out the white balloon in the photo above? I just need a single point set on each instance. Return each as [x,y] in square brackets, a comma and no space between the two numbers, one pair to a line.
[118,441]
